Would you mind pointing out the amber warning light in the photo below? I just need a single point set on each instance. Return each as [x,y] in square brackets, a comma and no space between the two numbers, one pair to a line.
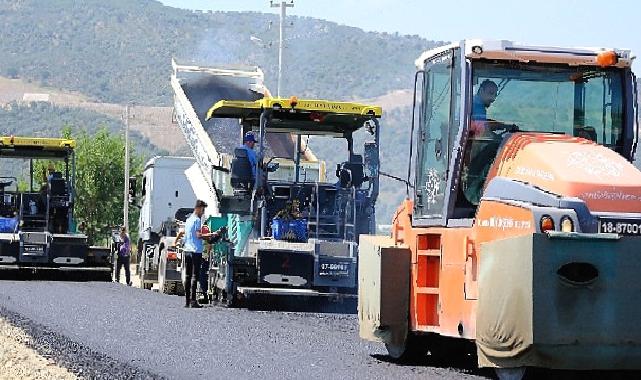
[606,58]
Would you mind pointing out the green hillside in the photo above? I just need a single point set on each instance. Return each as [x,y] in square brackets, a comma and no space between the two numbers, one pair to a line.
[46,120]
[120,50]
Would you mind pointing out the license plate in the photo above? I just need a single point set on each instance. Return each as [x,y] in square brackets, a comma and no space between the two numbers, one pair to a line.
[335,269]
[37,250]
[620,226]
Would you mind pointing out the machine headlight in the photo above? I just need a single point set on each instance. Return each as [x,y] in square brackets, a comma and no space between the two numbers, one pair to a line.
[567,225]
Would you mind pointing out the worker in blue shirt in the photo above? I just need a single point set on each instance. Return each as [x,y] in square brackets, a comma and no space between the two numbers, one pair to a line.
[193,251]
[485,96]
[249,140]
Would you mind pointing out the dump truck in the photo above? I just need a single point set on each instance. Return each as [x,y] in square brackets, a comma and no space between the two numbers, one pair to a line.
[37,226]
[291,231]
[165,194]
[521,230]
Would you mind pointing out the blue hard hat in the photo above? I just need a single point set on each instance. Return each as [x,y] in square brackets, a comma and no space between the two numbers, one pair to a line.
[249,136]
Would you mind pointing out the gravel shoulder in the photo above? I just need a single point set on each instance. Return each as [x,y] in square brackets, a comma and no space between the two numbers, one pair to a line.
[18,360]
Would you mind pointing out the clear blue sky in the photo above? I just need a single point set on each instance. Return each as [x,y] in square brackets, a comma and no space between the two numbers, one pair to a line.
[611,23]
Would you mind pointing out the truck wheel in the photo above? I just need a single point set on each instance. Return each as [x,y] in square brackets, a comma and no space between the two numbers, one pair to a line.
[413,349]
[179,289]
[215,295]
[141,273]
[164,286]
[228,299]
[167,288]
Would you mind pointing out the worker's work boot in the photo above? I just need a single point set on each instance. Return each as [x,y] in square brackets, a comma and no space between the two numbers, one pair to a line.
[187,296]
[195,305]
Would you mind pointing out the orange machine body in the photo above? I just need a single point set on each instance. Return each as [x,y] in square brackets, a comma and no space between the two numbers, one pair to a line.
[445,260]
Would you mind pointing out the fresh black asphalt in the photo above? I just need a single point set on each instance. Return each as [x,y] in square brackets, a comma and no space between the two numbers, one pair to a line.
[142,334]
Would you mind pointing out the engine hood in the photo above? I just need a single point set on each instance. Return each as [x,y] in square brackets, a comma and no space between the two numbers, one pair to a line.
[573,167]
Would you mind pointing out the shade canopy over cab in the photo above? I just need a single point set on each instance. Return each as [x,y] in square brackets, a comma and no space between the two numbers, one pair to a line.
[306,117]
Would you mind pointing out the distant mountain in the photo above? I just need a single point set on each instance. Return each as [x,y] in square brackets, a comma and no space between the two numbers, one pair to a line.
[119,50]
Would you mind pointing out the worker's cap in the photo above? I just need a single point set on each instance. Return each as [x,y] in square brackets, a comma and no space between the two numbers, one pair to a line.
[249,136]
[200,203]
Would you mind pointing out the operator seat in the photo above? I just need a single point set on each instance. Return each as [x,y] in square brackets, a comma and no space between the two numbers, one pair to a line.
[6,208]
[352,173]
[242,177]
[58,185]
[58,203]
[3,185]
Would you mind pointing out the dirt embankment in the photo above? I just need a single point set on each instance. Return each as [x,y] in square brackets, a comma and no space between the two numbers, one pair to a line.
[19,361]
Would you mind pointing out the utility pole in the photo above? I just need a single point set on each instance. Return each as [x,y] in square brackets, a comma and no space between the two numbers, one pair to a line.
[125,205]
[283,13]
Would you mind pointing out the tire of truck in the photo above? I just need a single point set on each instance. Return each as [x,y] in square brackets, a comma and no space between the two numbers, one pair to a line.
[228,300]
[139,258]
[179,289]
[163,286]
[143,263]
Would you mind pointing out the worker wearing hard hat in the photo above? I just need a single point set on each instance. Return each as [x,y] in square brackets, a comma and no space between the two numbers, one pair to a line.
[249,140]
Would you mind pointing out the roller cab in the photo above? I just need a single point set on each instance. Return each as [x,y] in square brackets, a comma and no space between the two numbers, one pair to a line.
[523,212]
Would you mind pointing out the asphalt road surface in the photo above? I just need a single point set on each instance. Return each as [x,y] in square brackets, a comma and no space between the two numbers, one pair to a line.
[105,330]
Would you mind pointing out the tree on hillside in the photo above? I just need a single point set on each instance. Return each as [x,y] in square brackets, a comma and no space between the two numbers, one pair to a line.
[99,182]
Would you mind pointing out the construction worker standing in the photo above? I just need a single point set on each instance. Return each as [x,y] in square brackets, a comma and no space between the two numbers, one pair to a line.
[124,252]
[193,251]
